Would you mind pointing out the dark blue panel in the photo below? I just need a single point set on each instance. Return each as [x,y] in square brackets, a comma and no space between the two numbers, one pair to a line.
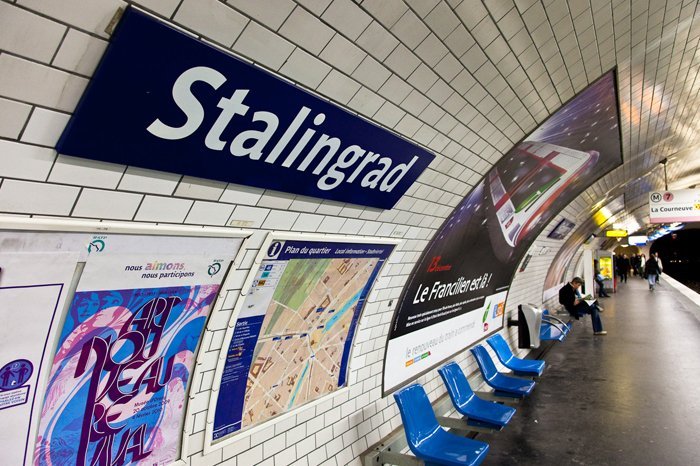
[163,100]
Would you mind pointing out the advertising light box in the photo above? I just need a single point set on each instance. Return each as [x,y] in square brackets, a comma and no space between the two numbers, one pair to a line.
[606,267]
[293,335]
[681,205]
[163,100]
[456,293]
[616,233]
[562,229]
[637,240]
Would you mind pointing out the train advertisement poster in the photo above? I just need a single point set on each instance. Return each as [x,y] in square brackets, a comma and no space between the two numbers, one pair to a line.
[470,262]
[293,336]
[125,355]
[33,288]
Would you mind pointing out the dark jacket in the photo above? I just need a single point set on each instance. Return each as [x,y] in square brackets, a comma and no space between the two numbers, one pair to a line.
[567,296]
[652,266]
[623,265]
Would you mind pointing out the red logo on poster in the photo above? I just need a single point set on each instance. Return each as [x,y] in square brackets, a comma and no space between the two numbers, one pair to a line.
[668,197]
[435,265]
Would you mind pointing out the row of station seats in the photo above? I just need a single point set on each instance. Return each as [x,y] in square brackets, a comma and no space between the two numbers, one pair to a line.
[430,442]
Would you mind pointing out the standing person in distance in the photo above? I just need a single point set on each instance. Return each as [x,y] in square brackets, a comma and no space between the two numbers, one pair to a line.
[623,267]
[660,266]
[652,270]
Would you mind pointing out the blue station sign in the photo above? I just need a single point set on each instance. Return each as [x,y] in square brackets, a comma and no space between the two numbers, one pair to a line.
[163,100]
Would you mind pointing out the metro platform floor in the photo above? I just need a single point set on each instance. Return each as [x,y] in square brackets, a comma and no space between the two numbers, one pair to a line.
[630,397]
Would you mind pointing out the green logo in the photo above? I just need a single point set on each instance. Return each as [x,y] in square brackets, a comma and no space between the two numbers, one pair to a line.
[486,312]
[214,269]
[96,246]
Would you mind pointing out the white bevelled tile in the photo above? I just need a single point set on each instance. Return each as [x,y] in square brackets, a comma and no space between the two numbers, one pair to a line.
[99,203]
[163,209]
[38,84]
[37,198]
[27,34]
[25,161]
[209,213]
[79,52]
[13,116]
[45,127]
[86,172]
[200,188]
[149,181]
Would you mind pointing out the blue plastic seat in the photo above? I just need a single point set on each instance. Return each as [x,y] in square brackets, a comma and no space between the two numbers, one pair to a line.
[479,412]
[501,383]
[427,440]
[517,365]
[565,327]
[551,332]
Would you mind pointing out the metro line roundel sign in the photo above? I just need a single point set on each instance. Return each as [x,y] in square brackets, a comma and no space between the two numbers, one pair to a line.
[163,100]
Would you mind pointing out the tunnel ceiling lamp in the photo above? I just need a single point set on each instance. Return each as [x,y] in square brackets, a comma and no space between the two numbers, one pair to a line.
[664,162]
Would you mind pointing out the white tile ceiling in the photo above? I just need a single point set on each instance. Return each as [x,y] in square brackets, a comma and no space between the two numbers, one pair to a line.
[512,63]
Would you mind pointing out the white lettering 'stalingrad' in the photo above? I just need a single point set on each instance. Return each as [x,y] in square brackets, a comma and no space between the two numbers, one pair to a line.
[372,170]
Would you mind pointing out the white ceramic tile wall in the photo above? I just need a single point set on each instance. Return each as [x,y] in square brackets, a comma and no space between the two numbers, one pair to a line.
[465,79]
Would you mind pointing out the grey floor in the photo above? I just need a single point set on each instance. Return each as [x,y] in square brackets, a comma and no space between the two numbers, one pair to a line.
[631,397]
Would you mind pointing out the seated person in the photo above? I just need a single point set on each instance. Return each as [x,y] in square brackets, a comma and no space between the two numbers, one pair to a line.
[570,297]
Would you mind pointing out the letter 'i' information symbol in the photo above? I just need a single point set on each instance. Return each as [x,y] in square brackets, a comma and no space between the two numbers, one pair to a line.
[274,249]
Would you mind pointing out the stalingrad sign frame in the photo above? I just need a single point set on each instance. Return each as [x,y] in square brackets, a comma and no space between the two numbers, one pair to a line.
[180,105]
[273,237]
[80,236]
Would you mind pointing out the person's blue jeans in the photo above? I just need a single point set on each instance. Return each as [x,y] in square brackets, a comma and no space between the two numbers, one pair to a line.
[584,308]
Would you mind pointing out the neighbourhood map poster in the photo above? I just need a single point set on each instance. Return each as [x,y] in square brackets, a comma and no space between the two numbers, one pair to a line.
[293,337]
[34,283]
[465,271]
[118,383]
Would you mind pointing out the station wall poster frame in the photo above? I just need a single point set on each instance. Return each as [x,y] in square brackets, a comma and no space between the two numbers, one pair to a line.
[457,291]
[243,330]
[86,238]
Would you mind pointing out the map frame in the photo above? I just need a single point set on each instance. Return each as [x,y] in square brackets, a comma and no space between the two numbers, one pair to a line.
[211,444]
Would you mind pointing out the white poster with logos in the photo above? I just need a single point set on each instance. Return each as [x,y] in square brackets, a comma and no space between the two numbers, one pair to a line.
[409,355]
[125,354]
[681,205]
[33,289]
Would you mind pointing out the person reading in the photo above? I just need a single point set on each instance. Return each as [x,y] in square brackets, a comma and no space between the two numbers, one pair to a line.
[570,297]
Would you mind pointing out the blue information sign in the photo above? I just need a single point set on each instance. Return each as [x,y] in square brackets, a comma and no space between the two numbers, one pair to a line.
[163,100]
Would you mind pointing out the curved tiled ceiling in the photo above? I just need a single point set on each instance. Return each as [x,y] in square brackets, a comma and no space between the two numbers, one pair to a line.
[469,79]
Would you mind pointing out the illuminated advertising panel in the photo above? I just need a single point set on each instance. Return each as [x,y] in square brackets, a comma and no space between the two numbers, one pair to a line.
[293,335]
[562,229]
[616,233]
[458,287]
[637,240]
[606,267]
